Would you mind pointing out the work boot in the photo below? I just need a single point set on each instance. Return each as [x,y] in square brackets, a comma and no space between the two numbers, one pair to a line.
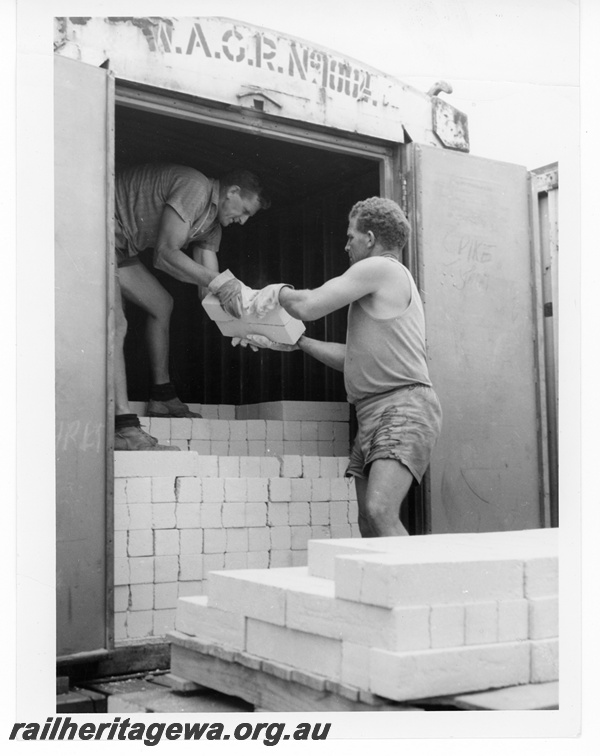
[133,438]
[169,408]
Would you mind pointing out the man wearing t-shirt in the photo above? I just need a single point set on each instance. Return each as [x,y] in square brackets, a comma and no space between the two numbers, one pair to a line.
[170,208]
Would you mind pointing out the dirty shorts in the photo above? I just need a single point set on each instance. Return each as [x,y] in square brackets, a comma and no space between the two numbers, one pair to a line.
[402,424]
[123,253]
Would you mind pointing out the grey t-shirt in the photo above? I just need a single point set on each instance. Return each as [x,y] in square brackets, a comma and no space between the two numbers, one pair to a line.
[141,193]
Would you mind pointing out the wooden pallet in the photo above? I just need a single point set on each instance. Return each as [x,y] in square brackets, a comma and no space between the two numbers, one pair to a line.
[276,687]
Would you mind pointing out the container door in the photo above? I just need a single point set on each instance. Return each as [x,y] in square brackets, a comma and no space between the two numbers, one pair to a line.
[474,269]
[83,186]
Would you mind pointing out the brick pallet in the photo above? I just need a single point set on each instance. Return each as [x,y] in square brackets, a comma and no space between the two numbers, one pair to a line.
[397,619]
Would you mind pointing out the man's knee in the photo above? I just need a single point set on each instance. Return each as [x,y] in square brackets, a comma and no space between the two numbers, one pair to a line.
[120,325]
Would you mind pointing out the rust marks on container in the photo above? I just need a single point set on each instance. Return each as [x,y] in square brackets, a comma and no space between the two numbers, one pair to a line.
[450,125]
[152,27]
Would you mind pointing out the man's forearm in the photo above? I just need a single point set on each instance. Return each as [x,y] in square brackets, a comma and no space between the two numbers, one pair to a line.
[178,265]
[328,353]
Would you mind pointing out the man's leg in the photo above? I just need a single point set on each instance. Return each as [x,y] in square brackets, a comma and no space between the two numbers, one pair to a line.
[142,288]
[364,525]
[382,495]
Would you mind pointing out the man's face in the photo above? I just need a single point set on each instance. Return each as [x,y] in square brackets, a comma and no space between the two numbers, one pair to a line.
[357,245]
[236,207]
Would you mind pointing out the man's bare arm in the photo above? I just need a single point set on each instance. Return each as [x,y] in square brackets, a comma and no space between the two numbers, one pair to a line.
[329,353]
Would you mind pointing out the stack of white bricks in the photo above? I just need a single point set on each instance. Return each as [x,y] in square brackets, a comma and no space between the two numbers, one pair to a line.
[179,516]
[400,618]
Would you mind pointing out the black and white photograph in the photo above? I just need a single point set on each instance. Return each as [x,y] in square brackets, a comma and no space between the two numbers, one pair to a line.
[297,442]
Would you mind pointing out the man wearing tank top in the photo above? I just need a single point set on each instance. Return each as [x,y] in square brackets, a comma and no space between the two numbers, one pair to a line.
[383,360]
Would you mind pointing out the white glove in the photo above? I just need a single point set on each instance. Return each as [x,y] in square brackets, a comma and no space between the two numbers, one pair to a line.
[243,342]
[267,299]
[257,340]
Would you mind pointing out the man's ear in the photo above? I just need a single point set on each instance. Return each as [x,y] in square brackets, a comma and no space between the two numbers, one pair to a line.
[233,190]
[371,237]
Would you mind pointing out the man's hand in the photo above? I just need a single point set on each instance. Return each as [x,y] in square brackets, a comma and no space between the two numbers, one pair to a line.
[229,291]
[267,299]
[255,340]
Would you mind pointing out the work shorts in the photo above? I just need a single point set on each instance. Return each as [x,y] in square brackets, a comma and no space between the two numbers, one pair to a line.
[402,425]
[123,254]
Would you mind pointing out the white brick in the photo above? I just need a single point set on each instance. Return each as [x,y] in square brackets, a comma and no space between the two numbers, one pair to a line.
[387,580]
[121,517]
[299,513]
[339,489]
[544,660]
[291,466]
[219,430]
[191,567]
[481,623]
[319,513]
[270,467]
[353,512]
[166,542]
[181,427]
[213,489]
[300,535]
[190,541]
[292,430]
[165,595]
[220,449]
[257,430]
[299,558]
[213,562]
[188,514]
[139,490]
[281,558]
[421,674]
[234,514]
[543,617]
[207,466]
[249,592]
[355,666]
[229,467]
[272,448]
[163,621]
[189,490]
[141,570]
[182,443]
[208,624]
[238,430]
[300,489]
[140,543]
[160,427]
[236,540]
[311,653]
[329,467]
[142,597]
[259,539]
[280,489]
[166,569]
[311,466]
[281,538]
[541,577]
[257,449]
[120,543]
[120,491]
[309,431]
[140,516]
[278,513]
[139,624]
[191,587]
[320,490]
[200,429]
[121,571]
[236,560]
[513,620]
[211,515]
[258,560]
[274,430]
[163,515]
[250,467]
[320,531]
[255,514]
[121,598]
[257,489]
[141,463]
[338,513]
[238,448]
[447,625]
[341,531]
[214,541]
[120,626]
[236,490]
[200,447]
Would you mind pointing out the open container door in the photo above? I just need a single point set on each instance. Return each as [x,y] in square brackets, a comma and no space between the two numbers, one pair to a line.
[83,290]
[474,268]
